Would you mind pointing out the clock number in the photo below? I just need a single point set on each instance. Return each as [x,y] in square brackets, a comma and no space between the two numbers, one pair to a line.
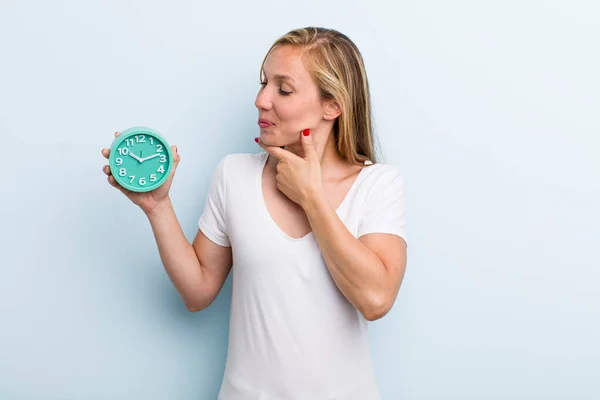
[159,146]
[119,161]
[151,141]
[152,177]
[122,172]
[132,178]
[161,169]
[140,139]
[129,142]
[163,158]
[123,151]
[142,181]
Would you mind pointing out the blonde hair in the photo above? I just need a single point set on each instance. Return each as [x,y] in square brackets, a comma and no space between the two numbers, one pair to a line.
[337,68]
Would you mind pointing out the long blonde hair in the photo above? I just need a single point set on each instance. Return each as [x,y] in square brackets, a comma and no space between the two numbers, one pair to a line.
[337,68]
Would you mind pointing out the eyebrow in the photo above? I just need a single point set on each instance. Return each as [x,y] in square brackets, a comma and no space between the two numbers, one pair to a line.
[282,77]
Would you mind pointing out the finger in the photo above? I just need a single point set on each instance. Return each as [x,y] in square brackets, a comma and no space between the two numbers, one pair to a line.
[106,170]
[176,159]
[106,152]
[273,150]
[175,152]
[307,143]
[112,181]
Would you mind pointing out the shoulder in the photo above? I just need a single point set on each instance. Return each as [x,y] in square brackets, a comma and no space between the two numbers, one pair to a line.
[243,159]
[379,176]
[235,169]
[240,161]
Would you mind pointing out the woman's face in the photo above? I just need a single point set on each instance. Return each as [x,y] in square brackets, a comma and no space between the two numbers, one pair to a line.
[288,101]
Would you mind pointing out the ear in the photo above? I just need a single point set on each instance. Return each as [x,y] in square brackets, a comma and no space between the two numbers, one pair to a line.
[332,110]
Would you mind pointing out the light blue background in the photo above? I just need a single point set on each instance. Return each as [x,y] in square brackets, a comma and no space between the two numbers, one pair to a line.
[490,109]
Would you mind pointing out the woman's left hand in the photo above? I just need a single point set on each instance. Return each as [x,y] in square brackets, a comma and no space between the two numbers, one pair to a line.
[298,178]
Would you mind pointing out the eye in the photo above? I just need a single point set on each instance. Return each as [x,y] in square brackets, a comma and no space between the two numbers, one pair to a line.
[282,92]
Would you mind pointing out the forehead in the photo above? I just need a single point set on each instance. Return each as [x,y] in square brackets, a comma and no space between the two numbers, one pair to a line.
[286,62]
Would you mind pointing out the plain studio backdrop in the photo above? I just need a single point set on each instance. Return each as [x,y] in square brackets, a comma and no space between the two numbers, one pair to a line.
[489,109]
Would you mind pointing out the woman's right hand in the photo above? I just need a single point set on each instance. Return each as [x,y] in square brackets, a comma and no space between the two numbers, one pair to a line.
[147,201]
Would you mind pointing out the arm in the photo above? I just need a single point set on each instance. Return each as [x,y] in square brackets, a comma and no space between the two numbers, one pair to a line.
[369,270]
[198,271]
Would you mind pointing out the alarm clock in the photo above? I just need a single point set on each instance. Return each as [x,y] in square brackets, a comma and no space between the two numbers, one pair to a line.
[140,159]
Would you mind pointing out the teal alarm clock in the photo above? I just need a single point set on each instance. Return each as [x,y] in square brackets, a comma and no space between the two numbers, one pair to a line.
[140,159]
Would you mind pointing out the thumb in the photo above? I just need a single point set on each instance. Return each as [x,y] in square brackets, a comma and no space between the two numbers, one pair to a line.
[307,143]
[176,159]
[176,156]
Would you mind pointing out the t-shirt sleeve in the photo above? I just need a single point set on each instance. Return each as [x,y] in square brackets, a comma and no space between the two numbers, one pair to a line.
[384,210]
[213,221]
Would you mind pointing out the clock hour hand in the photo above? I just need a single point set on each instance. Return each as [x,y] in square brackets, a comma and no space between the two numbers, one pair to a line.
[149,157]
[134,156]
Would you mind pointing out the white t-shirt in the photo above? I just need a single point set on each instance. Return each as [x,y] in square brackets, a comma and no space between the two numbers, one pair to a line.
[292,333]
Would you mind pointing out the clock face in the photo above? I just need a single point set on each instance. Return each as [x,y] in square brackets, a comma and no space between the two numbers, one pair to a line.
[141,162]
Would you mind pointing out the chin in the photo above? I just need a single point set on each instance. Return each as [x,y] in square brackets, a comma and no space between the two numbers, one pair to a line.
[269,140]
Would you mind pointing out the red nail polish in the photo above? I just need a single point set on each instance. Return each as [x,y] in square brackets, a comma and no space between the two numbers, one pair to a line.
[306,132]
[256,139]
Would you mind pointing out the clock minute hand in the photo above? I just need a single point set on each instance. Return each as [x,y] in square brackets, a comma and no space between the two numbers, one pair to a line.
[149,157]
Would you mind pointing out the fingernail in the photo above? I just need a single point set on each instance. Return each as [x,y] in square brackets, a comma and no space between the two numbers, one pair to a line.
[256,139]
[306,132]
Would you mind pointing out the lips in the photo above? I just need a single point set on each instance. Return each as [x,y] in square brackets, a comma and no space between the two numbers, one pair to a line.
[264,123]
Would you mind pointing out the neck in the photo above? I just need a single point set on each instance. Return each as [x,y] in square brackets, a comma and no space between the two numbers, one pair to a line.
[326,152]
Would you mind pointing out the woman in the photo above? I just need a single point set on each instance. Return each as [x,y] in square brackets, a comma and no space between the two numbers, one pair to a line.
[312,225]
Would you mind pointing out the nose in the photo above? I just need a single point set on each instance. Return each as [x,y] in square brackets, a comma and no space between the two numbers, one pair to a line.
[263,100]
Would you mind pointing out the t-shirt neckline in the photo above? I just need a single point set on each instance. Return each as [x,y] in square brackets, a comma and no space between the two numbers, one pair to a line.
[265,212]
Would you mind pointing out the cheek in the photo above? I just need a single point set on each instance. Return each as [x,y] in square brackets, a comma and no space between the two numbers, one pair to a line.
[286,111]
[289,116]
[294,115]
[296,111]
